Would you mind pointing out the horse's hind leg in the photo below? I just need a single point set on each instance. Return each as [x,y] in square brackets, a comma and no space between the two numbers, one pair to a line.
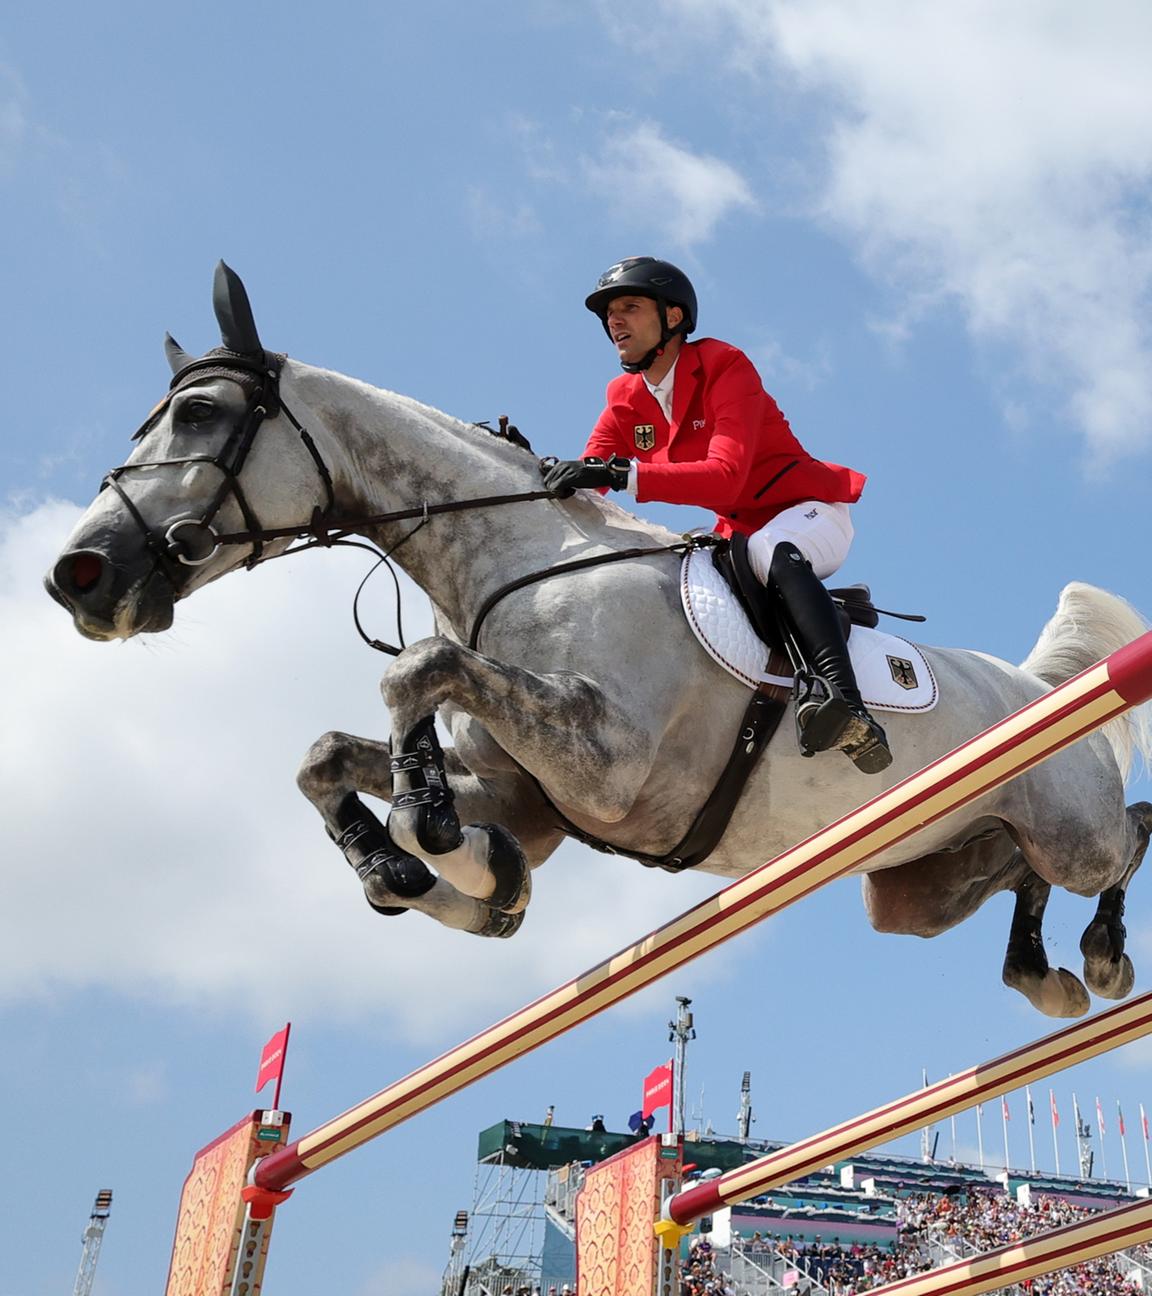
[1107,968]
[1054,992]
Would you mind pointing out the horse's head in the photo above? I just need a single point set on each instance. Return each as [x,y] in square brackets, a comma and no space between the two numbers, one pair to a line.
[211,461]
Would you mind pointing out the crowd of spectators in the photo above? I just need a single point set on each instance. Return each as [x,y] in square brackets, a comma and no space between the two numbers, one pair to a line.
[964,1225]
[699,1275]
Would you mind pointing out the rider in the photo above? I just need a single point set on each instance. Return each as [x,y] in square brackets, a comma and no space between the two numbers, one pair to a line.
[691,423]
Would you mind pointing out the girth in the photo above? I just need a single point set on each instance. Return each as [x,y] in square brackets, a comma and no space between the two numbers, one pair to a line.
[760,721]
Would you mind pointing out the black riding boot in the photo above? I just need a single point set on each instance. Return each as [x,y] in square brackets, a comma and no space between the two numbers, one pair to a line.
[837,717]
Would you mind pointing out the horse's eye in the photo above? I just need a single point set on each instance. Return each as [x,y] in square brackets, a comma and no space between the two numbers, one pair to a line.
[197,411]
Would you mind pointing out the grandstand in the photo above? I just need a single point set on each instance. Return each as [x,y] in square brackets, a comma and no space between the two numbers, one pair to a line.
[838,1232]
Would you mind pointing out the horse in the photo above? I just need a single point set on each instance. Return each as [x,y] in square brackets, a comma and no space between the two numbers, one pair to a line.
[585,705]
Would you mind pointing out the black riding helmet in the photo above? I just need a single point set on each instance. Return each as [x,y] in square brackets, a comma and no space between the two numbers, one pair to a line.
[646,276]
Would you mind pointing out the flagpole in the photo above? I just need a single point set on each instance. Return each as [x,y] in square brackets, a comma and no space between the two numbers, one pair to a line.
[1004,1122]
[954,1145]
[280,1075]
[1055,1122]
[1083,1171]
[980,1132]
[1144,1130]
[1124,1146]
[1100,1126]
[1031,1130]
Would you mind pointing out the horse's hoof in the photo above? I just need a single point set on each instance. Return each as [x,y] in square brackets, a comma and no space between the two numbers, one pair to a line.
[1111,980]
[1103,941]
[508,866]
[389,911]
[501,925]
[1057,993]
[1062,994]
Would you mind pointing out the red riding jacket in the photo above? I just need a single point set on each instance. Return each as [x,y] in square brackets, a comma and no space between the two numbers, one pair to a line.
[727,448]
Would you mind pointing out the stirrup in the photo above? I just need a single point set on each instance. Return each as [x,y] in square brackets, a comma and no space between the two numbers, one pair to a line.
[826,720]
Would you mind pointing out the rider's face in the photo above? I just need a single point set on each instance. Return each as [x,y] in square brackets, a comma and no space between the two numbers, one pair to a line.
[634,326]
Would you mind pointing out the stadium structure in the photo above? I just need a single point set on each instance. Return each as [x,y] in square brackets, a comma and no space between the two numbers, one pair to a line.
[846,1229]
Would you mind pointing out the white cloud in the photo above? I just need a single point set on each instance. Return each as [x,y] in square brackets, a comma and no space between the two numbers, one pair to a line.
[685,194]
[782,369]
[993,156]
[154,844]
[496,215]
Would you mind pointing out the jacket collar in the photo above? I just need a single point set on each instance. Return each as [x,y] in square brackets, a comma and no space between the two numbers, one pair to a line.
[687,379]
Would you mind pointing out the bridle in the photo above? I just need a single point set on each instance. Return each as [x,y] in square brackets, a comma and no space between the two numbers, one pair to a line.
[193,541]
[190,542]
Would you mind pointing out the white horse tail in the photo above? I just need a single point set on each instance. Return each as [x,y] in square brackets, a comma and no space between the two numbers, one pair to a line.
[1088,624]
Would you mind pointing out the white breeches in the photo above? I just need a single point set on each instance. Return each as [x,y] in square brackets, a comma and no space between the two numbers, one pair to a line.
[822,532]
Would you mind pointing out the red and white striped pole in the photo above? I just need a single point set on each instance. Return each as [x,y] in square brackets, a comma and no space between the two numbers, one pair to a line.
[1077,1043]
[1006,1266]
[1053,721]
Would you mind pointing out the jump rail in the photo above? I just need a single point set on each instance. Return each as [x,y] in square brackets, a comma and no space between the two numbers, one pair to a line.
[1038,730]
[1086,1039]
[1101,1235]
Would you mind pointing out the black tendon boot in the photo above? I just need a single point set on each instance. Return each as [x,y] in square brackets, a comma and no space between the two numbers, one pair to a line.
[378,861]
[837,717]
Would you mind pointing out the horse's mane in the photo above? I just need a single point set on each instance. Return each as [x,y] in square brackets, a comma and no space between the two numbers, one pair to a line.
[421,409]
[588,502]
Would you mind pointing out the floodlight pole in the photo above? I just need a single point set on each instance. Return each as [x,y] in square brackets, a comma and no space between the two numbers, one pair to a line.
[680,1031]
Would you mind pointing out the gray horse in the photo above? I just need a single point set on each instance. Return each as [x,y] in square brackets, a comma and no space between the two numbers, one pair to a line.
[591,705]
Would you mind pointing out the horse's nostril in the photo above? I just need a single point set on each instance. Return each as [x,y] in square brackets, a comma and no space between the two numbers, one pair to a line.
[86,572]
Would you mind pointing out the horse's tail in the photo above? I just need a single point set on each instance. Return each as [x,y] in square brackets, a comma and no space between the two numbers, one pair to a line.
[1088,624]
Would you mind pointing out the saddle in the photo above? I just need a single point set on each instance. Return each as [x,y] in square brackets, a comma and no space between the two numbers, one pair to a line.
[730,558]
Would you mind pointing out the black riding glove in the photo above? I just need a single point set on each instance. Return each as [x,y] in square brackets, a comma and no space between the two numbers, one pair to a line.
[570,475]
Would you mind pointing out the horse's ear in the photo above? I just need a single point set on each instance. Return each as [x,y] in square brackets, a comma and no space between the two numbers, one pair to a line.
[177,356]
[234,313]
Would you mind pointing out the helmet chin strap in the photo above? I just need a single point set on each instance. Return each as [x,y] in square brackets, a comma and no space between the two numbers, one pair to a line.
[647,360]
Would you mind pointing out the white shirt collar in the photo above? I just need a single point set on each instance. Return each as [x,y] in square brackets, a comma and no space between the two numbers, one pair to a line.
[663,389]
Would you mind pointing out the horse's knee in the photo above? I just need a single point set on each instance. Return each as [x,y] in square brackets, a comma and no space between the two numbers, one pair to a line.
[324,765]
[424,668]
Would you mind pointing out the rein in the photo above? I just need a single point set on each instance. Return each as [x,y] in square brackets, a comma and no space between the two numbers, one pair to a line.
[191,542]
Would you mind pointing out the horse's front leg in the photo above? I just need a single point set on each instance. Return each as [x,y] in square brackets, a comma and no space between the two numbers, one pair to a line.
[339,766]
[561,728]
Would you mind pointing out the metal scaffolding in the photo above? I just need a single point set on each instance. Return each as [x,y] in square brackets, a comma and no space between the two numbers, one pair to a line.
[93,1237]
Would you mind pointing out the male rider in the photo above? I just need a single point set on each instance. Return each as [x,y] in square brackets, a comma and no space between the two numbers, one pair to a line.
[691,423]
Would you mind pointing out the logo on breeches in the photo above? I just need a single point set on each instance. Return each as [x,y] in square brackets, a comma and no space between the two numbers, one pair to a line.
[903,672]
[645,435]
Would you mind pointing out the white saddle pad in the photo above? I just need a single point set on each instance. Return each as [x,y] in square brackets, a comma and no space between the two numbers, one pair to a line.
[892,673]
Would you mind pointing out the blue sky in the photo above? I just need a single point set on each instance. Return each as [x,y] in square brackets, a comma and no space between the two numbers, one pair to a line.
[930,231]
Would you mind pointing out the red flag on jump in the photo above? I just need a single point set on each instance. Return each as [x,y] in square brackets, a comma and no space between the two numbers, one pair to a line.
[657,1090]
[1120,1118]
[272,1062]
[1144,1122]
[1055,1113]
